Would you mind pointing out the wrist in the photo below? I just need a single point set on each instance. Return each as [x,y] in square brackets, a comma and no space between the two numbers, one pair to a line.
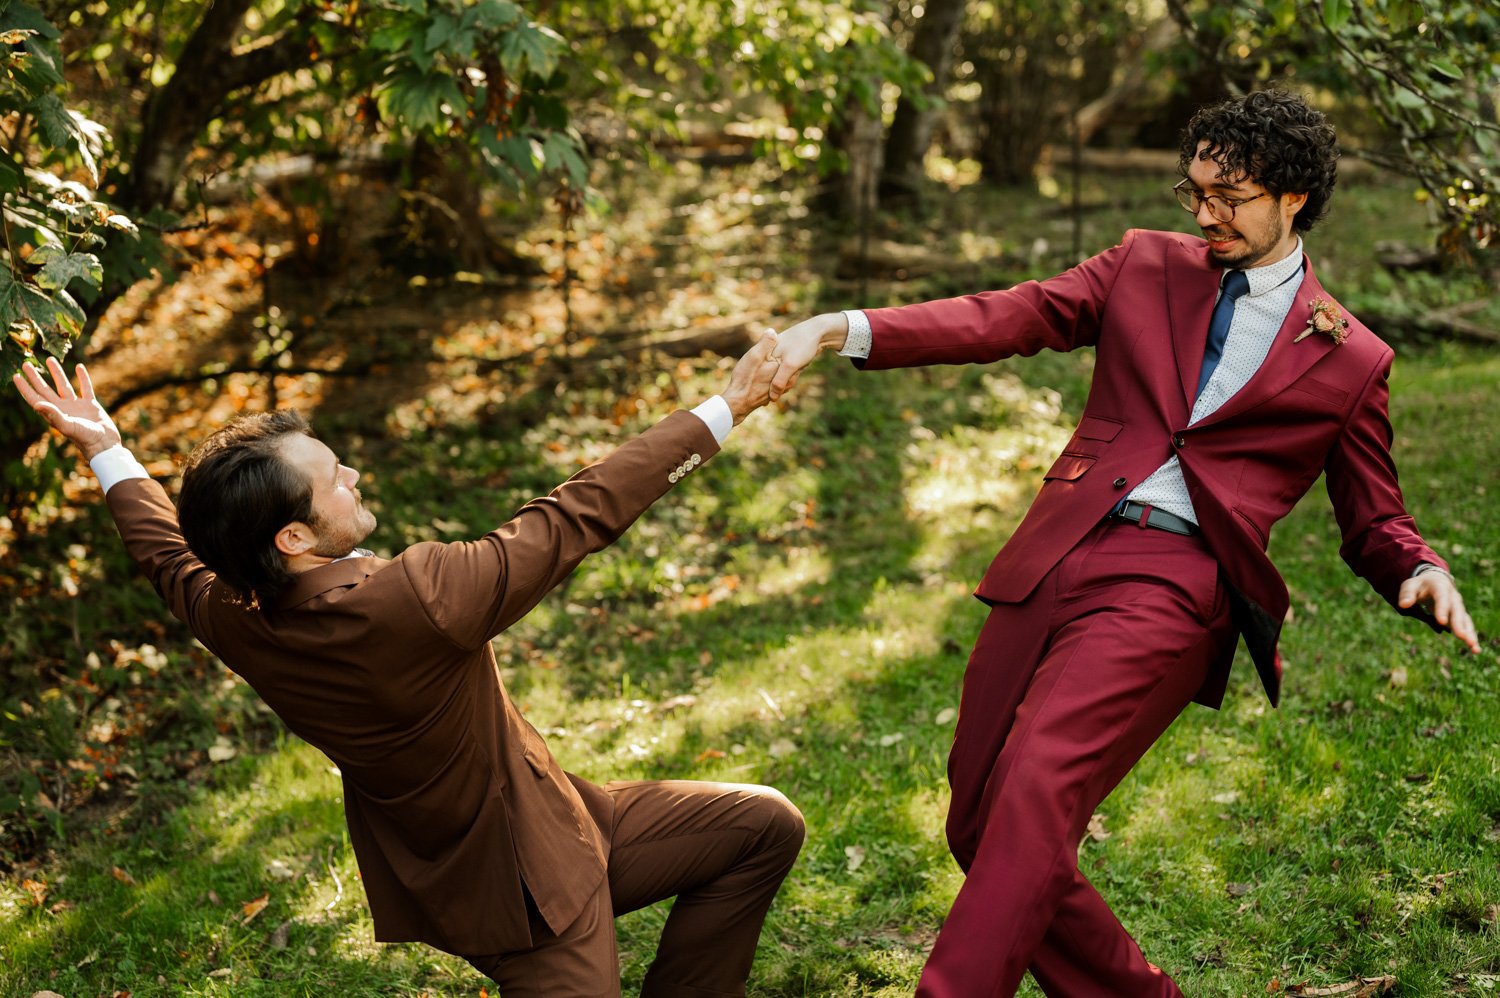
[835,331]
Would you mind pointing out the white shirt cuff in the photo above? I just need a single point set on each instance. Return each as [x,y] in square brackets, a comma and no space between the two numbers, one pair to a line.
[116,465]
[858,343]
[717,417]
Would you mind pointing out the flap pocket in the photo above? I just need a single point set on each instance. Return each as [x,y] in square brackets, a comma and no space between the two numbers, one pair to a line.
[1321,389]
[1070,467]
[1099,428]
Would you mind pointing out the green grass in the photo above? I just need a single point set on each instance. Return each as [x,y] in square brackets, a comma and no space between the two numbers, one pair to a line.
[810,590]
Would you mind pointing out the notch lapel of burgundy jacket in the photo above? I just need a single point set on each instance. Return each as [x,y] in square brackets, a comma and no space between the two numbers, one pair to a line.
[1286,361]
[1192,286]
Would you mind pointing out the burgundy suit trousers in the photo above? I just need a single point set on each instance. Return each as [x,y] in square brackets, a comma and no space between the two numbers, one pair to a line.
[721,849]
[1063,694]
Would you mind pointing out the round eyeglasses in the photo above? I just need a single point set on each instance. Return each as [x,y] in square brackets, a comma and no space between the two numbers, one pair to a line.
[1219,206]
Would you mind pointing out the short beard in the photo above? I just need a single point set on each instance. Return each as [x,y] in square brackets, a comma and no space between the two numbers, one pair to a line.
[1253,256]
[340,543]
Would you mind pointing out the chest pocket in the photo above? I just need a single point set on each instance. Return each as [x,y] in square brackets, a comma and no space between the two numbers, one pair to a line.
[1098,428]
[1083,450]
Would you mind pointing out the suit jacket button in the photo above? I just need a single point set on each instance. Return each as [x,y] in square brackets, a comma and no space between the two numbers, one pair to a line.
[1178,441]
[697,459]
[673,478]
[1119,483]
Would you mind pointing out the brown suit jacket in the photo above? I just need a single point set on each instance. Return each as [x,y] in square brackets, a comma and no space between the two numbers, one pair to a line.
[452,798]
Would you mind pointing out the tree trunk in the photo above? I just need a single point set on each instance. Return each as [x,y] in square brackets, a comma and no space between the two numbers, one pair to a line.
[911,131]
[852,195]
[1129,81]
[1018,110]
[206,73]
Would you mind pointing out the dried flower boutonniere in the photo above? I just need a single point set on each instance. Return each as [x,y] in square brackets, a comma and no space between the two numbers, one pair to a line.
[1326,319]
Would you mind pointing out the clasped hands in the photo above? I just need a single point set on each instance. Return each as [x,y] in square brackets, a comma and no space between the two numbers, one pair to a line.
[773,365]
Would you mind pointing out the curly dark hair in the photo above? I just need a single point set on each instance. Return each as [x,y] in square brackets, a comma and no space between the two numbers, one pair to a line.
[1271,137]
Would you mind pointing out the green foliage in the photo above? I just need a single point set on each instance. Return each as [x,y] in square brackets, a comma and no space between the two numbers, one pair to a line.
[49,222]
[788,71]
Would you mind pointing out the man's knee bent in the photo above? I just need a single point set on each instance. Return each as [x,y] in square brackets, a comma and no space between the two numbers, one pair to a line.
[785,828]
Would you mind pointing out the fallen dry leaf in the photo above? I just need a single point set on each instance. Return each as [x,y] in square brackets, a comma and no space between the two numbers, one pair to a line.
[709,753]
[1238,890]
[37,889]
[1096,829]
[221,972]
[253,908]
[122,877]
[1363,987]
[856,856]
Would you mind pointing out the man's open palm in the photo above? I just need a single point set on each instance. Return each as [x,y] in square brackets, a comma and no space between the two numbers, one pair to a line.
[76,415]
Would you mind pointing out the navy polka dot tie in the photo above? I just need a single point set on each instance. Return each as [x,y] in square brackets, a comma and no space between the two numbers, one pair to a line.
[1235,286]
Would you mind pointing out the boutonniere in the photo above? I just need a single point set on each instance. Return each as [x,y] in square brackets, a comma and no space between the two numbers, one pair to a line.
[1326,319]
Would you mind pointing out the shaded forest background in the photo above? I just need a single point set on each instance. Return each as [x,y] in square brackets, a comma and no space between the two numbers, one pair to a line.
[436,224]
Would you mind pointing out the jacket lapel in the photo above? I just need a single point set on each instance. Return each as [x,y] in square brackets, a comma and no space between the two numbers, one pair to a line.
[1286,361]
[1192,286]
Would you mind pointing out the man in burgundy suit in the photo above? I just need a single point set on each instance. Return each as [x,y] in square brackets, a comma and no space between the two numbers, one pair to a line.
[469,836]
[1227,380]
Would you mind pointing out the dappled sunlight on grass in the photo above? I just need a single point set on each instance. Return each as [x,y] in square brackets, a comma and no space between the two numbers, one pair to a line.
[798,613]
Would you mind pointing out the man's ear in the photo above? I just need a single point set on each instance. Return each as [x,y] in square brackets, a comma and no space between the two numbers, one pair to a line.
[295,538]
[1292,203]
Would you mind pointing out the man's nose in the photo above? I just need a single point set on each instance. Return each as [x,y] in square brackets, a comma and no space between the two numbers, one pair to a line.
[1205,218]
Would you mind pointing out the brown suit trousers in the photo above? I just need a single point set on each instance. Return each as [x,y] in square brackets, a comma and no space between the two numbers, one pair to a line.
[720,849]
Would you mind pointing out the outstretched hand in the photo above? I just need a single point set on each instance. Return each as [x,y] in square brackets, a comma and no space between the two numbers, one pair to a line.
[1436,593]
[76,415]
[750,382]
[802,342]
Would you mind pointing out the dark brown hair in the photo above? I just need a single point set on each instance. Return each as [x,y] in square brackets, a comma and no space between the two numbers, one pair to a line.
[1273,138]
[237,492]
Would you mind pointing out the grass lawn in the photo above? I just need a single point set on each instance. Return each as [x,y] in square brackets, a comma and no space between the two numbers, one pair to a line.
[799,615]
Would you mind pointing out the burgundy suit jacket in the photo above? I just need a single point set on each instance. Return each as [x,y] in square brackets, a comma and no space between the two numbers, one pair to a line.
[1312,408]
[452,798]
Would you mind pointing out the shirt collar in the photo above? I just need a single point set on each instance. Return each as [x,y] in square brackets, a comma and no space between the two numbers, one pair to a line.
[1273,275]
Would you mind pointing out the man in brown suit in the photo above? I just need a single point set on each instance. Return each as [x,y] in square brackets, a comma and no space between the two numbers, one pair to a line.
[468,834]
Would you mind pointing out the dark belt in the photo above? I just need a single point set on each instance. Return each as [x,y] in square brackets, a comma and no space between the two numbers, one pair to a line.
[1151,516]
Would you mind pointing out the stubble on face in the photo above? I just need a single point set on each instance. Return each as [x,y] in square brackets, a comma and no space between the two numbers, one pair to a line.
[338,539]
[1245,249]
